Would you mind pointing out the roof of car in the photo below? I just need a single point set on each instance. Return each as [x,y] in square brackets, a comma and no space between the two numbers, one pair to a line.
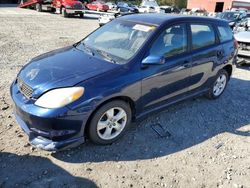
[159,19]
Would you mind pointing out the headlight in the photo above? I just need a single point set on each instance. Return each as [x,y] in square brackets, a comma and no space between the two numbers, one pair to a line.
[57,98]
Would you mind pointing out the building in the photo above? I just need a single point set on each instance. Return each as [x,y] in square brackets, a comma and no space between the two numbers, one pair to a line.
[218,5]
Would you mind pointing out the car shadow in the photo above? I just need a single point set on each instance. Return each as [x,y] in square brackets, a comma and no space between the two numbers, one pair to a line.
[22,171]
[190,123]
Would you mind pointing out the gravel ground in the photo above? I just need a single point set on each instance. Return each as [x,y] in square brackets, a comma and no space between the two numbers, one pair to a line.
[209,144]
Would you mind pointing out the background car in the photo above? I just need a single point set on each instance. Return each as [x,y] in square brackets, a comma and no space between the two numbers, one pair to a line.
[170,9]
[112,6]
[98,6]
[105,18]
[124,7]
[233,18]
[243,38]
[148,6]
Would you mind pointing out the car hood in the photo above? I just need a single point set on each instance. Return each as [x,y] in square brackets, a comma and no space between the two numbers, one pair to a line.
[243,36]
[61,68]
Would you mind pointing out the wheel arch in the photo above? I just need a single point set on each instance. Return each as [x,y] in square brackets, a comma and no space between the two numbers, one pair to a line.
[121,98]
[229,69]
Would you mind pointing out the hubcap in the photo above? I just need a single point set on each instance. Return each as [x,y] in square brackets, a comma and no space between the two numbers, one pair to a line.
[220,85]
[111,124]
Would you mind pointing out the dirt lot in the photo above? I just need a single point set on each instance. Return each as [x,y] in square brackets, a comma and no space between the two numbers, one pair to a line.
[209,144]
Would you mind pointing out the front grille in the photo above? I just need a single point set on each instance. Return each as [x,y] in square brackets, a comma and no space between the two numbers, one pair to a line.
[244,46]
[77,6]
[24,88]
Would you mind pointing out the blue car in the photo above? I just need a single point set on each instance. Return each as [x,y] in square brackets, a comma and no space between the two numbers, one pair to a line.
[123,71]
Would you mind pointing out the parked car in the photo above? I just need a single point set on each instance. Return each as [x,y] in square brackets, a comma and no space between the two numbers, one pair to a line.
[149,6]
[64,7]
[170,9]
[123,71]
[112,6]
[185,11]
[243,39]
[98,6]
[105,18]
[124,7]
[233,18]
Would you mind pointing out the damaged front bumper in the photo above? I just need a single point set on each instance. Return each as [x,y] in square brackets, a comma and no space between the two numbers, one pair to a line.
[49,129]
[38,140]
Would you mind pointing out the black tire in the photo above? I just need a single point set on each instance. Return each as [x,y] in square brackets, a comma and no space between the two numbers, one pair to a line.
[81,15]
[210,94]
[92,130]
[64,13]
[38,7]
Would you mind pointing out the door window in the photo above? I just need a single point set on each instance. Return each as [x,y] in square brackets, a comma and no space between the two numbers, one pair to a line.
[171,42]
[202,35]
[225,33]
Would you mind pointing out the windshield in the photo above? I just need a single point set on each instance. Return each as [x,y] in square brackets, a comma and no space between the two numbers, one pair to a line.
[229,15]
[117,41]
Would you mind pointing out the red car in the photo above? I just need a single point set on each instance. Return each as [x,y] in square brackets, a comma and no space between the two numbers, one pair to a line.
[98,5]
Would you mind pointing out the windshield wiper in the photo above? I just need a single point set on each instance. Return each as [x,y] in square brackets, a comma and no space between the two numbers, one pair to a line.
[106,56]
[86,48]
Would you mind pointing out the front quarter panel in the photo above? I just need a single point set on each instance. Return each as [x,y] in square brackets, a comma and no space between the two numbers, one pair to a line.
[124,81]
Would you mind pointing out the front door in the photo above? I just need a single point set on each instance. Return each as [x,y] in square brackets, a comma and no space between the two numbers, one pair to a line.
[171,79]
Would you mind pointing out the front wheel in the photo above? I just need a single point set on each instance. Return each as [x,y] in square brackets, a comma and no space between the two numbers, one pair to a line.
[109,122]
[219,85]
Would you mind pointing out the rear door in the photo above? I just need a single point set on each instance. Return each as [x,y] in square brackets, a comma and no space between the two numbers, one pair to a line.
[207,52]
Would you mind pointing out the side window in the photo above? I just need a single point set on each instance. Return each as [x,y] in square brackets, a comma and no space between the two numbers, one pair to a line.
[202,35]
[171,41]
[225,33]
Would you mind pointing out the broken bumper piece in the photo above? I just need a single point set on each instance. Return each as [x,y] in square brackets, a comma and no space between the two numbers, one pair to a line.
[37,140]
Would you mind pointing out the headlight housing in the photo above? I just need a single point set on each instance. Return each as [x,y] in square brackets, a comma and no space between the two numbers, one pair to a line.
[57,98]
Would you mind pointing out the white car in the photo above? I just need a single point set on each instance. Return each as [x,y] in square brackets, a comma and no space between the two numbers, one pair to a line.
[243,39]
[105,18]
[112,6]
[149,6]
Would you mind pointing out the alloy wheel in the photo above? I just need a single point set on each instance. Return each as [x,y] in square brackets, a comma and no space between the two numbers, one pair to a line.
[111,123]
[220,85]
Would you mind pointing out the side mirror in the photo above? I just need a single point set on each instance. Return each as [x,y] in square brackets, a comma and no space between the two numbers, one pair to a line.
[153,60]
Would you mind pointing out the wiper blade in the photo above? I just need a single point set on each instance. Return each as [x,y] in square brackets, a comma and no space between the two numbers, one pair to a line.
[87,49]
[106,56]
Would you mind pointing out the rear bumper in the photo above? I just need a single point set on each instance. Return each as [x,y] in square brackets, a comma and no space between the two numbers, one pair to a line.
[75,11]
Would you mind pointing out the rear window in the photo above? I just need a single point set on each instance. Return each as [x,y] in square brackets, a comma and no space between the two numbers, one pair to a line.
[225,33]
[202,35]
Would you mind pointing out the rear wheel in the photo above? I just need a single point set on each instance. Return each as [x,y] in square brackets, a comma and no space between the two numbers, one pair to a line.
[219,85]
[81,15]
[64,13]
[110,122]
[38,7]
